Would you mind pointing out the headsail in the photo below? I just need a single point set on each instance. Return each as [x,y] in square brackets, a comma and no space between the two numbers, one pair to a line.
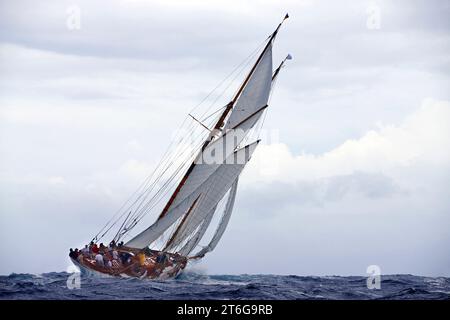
[195,239]
[222,224]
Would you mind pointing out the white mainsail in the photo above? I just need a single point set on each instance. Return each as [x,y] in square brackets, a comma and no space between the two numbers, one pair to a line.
[247,111]
[211,191]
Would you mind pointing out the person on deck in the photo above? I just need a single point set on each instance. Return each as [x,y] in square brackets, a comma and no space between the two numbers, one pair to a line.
[115,255]
[85,251]
[94,249]
[125,258]
[106,261]
[99,260]
[161,258]
[112,244]
[141,257]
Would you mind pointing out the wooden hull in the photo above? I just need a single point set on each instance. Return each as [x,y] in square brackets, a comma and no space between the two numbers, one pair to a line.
[148,268]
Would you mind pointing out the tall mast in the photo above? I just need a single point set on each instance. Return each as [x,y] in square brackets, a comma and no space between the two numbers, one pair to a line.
[222,118]
[275,74]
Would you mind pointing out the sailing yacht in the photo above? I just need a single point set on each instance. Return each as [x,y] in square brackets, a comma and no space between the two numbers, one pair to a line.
[203,185]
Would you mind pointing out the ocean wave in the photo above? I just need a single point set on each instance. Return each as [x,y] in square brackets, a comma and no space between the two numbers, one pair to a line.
[193,285]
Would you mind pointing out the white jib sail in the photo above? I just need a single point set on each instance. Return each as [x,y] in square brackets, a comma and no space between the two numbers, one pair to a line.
[222,224]
[195,239]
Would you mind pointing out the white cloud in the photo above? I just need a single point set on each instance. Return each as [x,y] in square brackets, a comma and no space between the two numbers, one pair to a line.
[136,169]
[57,180]
[424,136]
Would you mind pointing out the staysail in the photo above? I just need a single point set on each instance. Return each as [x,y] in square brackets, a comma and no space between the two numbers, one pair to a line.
[222,224]
[195,239]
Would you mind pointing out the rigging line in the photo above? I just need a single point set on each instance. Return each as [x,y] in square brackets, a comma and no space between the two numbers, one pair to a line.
[150,176]
[160,193]
[215,112]
[211,186]
[166,190]
[145,209]
[194,149]
[186,149]
[142,211]
[272,88]
[242,67]
[249,60]
[117,212]
[149,188]
[122,225]
[145,182]
[137,213]
[149,209]
[245,61]
[217,126]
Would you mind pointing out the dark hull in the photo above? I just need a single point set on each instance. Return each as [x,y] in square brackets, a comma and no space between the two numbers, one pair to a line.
[148,268]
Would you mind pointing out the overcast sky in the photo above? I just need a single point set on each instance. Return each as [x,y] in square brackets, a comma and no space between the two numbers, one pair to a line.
[354,169]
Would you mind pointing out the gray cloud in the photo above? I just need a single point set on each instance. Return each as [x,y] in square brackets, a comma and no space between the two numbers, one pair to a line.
[274,197]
